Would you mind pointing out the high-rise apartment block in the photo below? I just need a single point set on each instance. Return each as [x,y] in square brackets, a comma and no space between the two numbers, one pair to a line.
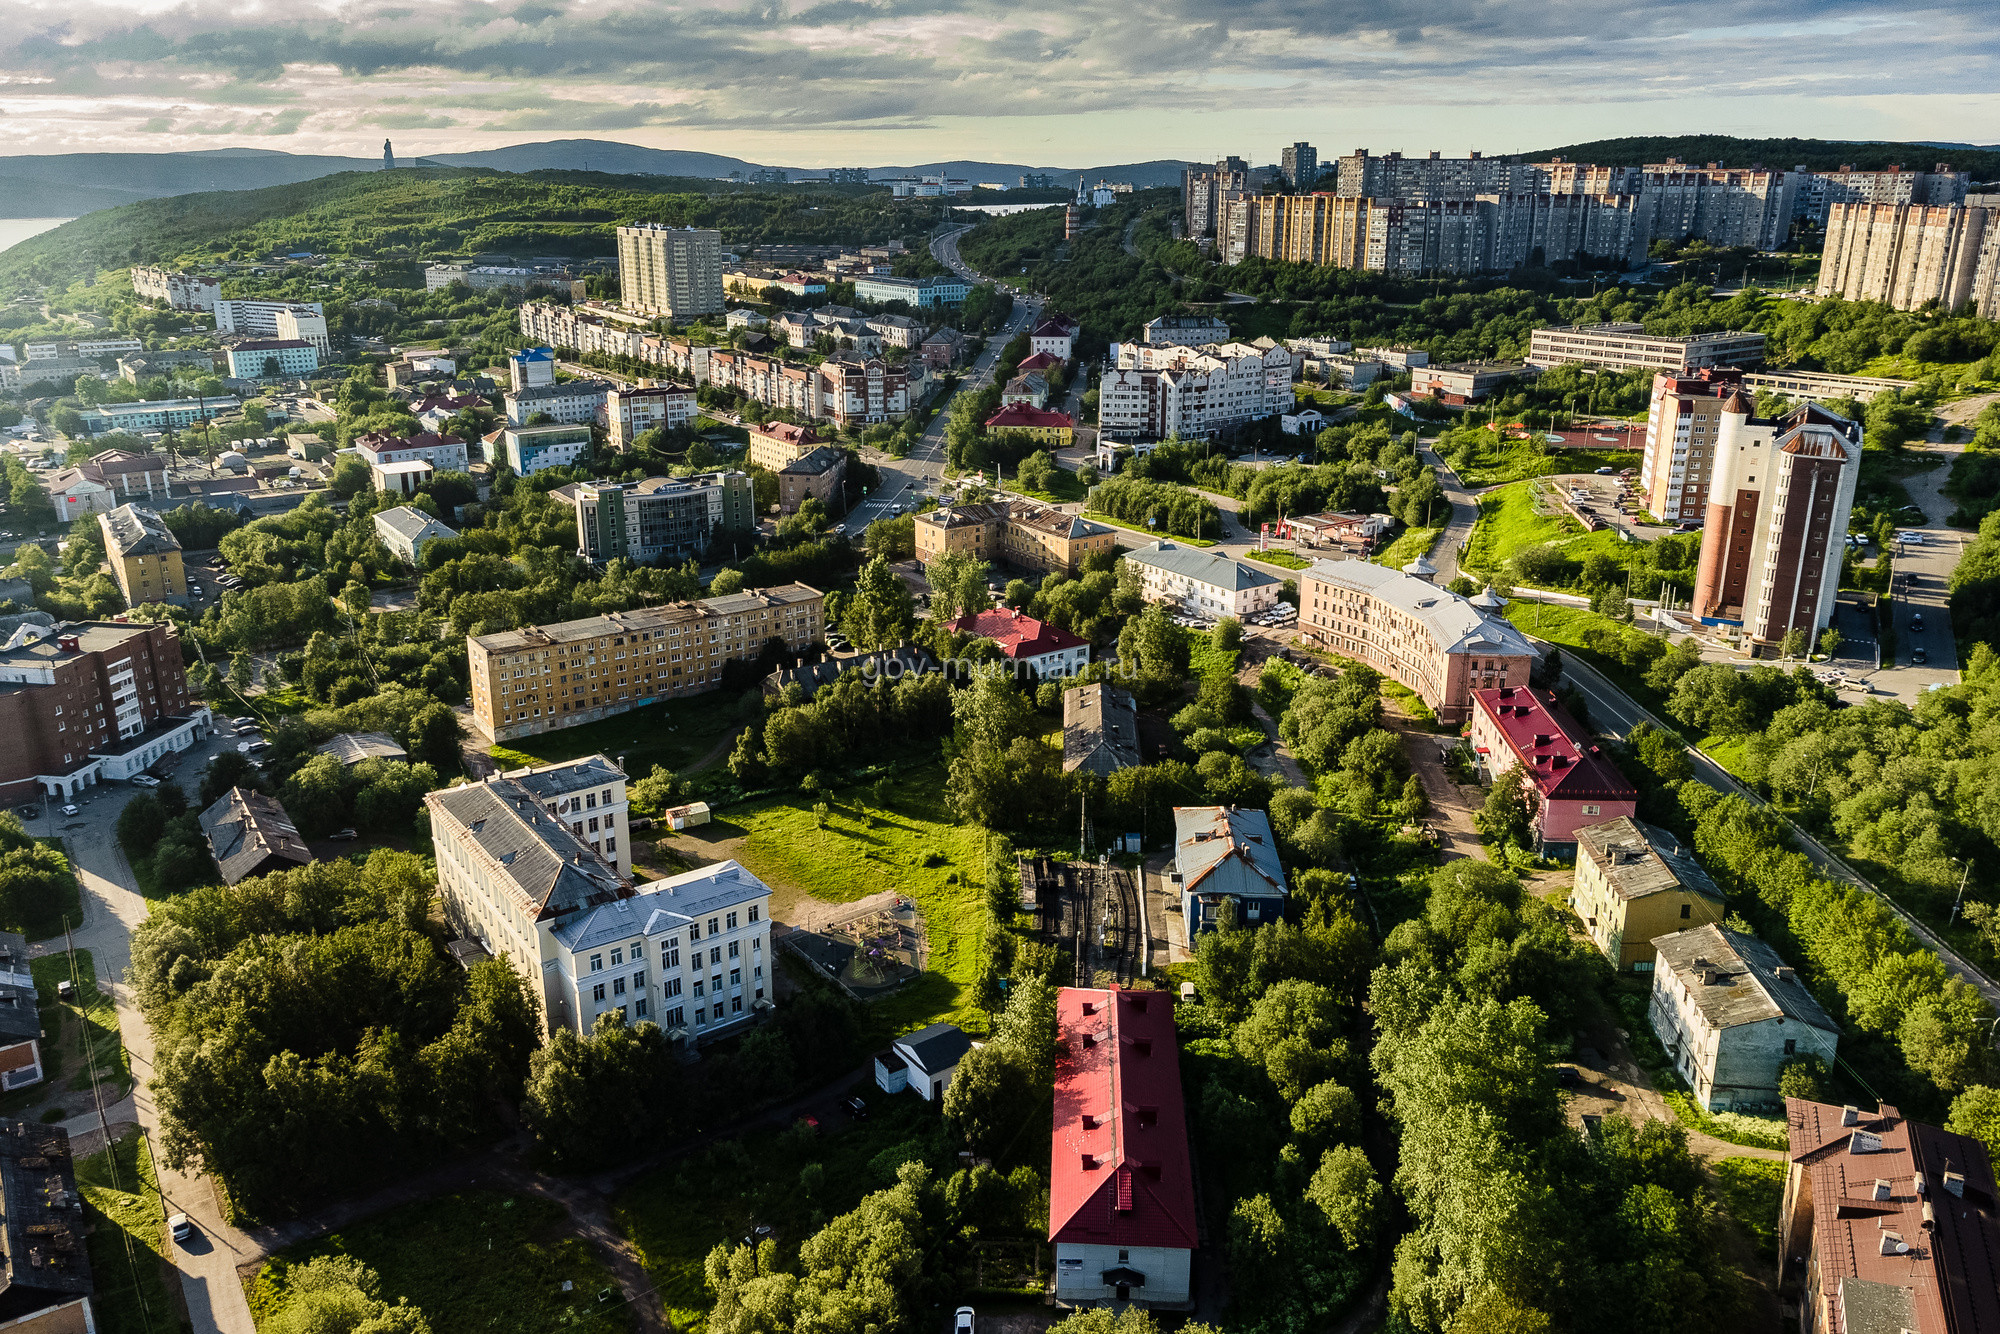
[1683,440]
[1300,165]
[182,291]
[1204,190]
[1940,187]
[1778,506]
[1909,255]
[545,677]
[1149,392]
[670,272]
[663,517]
[1470,235]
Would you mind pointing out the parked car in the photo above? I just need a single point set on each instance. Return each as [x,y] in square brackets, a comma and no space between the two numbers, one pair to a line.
[1918,657]
[181,1226]
[243,722]
[962,1321]
[342,836]
[70,809]
[1917,621]
[1606,471]
[144,780]
[857,1108]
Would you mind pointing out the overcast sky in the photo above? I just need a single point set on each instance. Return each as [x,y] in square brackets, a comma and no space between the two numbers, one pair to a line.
[1081,83]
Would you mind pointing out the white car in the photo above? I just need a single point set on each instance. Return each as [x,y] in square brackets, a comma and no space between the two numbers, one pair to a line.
[962,1322]
[1915,539]
[144,780]
[68,809]
[181,1226]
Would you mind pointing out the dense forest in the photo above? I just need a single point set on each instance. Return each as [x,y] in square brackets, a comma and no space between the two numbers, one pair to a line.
[1785,154]
[436,212]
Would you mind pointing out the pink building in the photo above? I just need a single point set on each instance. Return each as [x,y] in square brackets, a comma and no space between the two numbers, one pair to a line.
[1571,784]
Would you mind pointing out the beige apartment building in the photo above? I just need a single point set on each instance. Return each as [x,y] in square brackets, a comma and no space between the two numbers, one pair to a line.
[546,677]
[1021,533]
[1683,426]
[145,556]
[1437,643]
[1907,255]
[1636,882]
[670,272]
[775,446]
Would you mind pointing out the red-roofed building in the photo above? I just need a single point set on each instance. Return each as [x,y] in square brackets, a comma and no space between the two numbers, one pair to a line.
[1571,783]
[1887,1225]
[1046,425]
[1041,361]
[1043,650]
[1055,336]
[1121,1185]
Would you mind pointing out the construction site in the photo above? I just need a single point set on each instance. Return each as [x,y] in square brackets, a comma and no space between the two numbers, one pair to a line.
[1093,912]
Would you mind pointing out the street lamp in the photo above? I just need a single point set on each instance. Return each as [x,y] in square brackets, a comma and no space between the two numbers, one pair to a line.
[1961,891]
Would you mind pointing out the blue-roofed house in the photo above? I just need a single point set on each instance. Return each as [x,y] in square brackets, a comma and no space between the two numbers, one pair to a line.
[1222,853]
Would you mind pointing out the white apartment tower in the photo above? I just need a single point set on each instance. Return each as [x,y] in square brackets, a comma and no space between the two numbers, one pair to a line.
[1778,505]
[673,272]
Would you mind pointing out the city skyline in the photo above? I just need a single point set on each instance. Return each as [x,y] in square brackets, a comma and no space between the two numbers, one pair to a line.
[825,85]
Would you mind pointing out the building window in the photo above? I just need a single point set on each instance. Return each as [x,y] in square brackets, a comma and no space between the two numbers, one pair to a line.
[597,963]
[735,950]
[617,986]
[753,912]
[1592,810]
[694,931]
[597,993]
[676,1017]
[714,955]
[671,987]
[735,1005]
[1687,911]
[713,928]
[639,980]
[697,989]
[732,921]
[718,1009]
[639,1007]
[736,977]
[670,954]
[618,956]
[1791,1046]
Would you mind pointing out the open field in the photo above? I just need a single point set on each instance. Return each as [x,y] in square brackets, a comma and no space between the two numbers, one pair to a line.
[676,733]
[1507,523]
[1413,543]
[131,1295]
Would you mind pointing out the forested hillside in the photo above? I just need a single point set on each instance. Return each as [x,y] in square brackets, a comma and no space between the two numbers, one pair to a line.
[1785,154]
[443,212]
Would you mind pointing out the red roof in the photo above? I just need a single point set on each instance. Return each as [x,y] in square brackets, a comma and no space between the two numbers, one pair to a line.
[1041,361]
[1028,415]
[381,442]
[1558,756]
[1877,1182]
[786,433]
[1119,1172]
[1018,635]
[1056,326]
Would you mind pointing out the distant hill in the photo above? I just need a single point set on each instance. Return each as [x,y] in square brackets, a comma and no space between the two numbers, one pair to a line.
[595,155]
[1779,154]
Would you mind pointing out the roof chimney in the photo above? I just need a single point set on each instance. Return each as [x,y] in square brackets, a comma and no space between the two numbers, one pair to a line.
[1850,1115]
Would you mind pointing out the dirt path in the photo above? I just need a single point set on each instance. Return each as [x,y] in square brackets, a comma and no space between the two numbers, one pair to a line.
[1451,811]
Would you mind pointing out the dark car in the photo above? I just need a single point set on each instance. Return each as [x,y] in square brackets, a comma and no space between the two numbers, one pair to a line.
[1917,621]
[857,1108]
[1918,657]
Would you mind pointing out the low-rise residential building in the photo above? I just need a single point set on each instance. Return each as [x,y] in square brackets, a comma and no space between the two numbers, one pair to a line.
[1029,388]
[486,277]
[545,677]
[1886,1225]
[1636,882]
[630,412]
[1044,426]
[813,476]
[688,952]
[1055,337]
[1122,1215]
[1202,583]
[1100,730]
[251,834]
[922,1062]
[1429,639]
[890,664]
[1023,533]
[445,453]
[405,531]
[83,349]
[530,449]
[82,702]
[20,1019]
[916,293]
[745,318]
[144,555]
[897,330]
[571,402]
[773,445]
[1034,648]
[944,348]
[406,478]
[1459,383]
[182,291]
[46,1284]
[1729,1013]
[1185,330]
[863,392]
[272,358]
[1570,783]
[659,518]
[1226,867]
[74,493]
[1625,346]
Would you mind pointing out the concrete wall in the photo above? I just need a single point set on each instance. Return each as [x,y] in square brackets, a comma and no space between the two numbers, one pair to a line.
[1167,1273]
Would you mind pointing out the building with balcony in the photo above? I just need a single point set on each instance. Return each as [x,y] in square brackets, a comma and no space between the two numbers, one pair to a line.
[272,358]
[570,402]
[630,412]
[1630,347]
[663,518]
[670,272]
[530,449]
[182,291]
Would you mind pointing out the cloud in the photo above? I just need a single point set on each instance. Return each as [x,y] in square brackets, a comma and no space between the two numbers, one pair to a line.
[409,120]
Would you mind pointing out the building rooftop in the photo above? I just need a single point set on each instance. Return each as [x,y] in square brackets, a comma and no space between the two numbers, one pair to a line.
[663,905]
[820,459]
[1733,979]
[411,524]
[1453,623]
[1120,1174]
[20,1021]
[1100,730]
[46,1262]
[132,531]
[645,619]
[353,747]
[1641,859]
[1903,1218]
[1223,850]
[1027,415]
[787,433]
[894,663]
[71,639]
[553,782]
[550,871]
[1637,333]
[561,389]
[1557,754]
[270,345]
[1204,567]
[936,1048]
[1018,634]
[246,828]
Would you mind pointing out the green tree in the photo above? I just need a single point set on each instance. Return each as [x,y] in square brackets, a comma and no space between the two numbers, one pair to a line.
[1345,1191]
[881,612]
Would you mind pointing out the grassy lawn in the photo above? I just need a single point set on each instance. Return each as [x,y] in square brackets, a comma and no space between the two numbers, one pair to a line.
[1566,626]
[1507,523]
[1205,659]
[76,1029]
[1149,533]
[1284,560]
[474,1263]
[68,903]
[131,1295]
[1413,543]
[909,844]
[1495,462]
[678,1213]
[1068,487]
[676,733]
[1750,1191]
